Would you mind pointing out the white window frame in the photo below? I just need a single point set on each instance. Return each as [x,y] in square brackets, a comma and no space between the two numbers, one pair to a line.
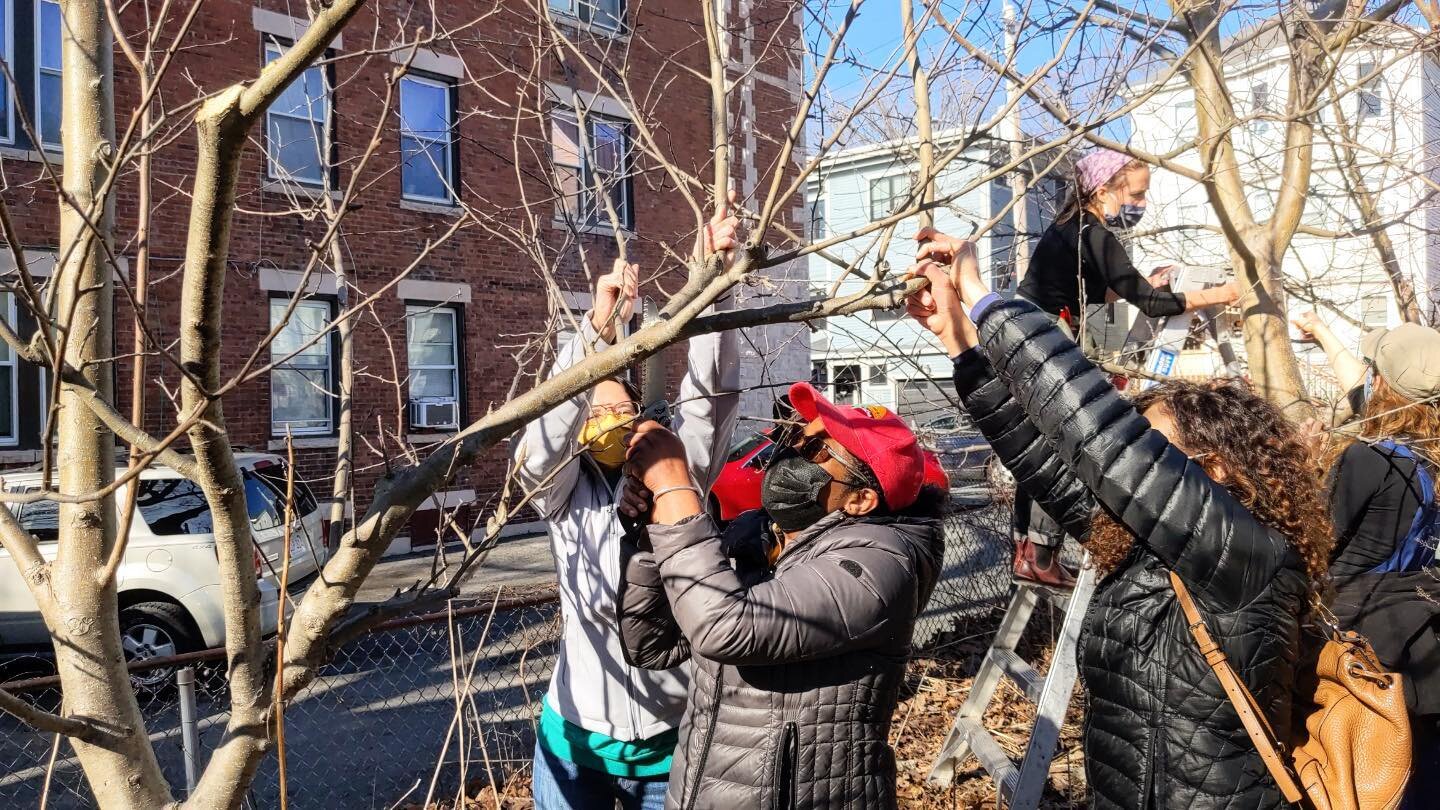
[572,10]
[325,149]
[7,53]
[890,196]
[412,310]
[1369,301]
[1259,104]
[592,213]
[277,428]
[447,172]
[819,215]
[1367,91]
[35,118]
[13,365]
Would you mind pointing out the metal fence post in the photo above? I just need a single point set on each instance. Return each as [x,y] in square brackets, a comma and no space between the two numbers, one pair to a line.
[185,681]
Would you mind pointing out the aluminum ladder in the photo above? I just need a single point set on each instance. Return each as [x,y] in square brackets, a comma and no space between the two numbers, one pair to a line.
[1021,785]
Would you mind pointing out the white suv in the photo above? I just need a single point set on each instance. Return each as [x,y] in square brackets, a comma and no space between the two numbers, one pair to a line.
[169,580]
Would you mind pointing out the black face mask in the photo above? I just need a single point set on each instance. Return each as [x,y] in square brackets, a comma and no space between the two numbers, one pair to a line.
[790,492]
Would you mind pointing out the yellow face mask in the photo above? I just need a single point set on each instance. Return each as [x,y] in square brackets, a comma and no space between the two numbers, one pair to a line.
[604,436]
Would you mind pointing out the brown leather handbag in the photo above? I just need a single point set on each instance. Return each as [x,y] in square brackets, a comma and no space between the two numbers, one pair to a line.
[1350,746]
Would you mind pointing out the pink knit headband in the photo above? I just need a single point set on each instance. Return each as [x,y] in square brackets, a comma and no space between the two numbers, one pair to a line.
[1099,167]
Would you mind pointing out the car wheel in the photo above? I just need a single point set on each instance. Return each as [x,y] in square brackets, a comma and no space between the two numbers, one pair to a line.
[155,630]
[1000,481]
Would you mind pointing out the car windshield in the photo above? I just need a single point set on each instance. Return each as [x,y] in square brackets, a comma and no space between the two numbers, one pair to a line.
[273,475]
[175,506]
[745,447]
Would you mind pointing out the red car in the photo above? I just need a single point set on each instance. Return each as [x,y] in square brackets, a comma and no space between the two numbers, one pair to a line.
[738,488]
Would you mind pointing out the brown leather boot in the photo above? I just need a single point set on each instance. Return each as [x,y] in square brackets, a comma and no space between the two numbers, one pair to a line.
[1029,569]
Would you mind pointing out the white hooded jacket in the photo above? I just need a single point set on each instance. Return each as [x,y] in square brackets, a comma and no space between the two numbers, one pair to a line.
[593,686]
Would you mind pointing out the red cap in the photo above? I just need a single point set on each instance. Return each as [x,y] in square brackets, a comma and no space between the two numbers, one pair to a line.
[875,436]
[935,474]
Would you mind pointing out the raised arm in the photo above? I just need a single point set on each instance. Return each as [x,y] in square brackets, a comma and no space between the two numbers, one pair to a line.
[1015,440]
[544,452]
[1021,447]
[710,391]
[1194,525]
[853,596]
[1106,254]
[1172,507]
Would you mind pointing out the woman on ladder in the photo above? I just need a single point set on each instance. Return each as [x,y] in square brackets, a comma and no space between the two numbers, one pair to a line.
[1080,261]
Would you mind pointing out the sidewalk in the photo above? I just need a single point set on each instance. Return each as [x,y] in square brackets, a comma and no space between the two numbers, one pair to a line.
[520,560]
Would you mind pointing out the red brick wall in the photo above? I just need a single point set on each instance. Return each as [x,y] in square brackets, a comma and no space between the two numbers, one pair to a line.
[381,238]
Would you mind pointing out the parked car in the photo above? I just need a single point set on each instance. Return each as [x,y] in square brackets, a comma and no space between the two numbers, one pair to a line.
[737,490]
[169,578]
[963,452]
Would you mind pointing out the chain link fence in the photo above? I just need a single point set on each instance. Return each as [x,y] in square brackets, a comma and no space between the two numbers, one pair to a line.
[423,706]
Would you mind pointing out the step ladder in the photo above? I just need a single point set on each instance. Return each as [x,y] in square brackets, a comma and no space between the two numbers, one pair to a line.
[1154,344]
[1021,785]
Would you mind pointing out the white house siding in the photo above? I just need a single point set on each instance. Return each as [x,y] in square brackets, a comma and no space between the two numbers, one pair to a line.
[888,349]
[1346,272]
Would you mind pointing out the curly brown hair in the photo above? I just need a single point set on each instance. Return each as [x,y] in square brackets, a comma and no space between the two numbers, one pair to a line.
[1242,439]
[1388,414]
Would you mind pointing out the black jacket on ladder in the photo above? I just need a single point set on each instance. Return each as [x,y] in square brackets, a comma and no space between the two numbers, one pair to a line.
[1159,731]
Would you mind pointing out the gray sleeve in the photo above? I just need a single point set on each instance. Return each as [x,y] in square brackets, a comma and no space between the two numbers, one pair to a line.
[857,594]
[544,452]
[649,635]
[709,402]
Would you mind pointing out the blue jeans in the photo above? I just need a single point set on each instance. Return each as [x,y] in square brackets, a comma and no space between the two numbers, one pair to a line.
[562,785]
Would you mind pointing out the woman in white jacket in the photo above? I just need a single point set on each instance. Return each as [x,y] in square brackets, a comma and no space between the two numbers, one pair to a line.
[607,730]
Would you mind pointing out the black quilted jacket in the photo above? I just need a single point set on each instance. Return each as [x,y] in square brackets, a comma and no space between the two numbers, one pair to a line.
[1159,732]
[796,670]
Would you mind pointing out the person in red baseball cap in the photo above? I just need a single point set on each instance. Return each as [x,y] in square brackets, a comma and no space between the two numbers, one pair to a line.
[798,618]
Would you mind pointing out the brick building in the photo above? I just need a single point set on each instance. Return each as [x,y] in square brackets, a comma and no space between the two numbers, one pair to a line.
[497,115]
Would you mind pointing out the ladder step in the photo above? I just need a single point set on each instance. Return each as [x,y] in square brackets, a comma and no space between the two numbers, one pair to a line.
[992,758]
[1020,672]
[1060,597]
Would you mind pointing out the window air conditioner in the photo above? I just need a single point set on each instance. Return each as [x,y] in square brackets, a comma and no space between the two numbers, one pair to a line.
[434,412]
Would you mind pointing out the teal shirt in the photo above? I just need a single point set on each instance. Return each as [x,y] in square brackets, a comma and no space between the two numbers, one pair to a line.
[640,759]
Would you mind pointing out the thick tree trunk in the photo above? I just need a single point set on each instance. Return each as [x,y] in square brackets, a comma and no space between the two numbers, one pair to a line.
[84,622]
[220,128]
[1273,369]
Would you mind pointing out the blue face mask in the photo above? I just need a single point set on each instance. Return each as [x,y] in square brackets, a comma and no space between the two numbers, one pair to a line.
[1369,381]
[1129,217]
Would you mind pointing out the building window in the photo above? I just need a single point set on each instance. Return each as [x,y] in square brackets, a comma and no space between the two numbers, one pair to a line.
[591,156]
[819,207]
[34,59]
[888,195]
[432,343]
[302,399]
[427,139]
[847,385]
[297,126]
[47,72]
[1259,105]
[9,379]
[819,374]
[1368,99]
[605,14]
[1375,311]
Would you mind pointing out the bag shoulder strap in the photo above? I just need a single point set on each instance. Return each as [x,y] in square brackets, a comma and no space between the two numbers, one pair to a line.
[1250,712]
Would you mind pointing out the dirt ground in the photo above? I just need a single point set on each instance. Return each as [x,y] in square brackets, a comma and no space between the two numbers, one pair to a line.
[936,685]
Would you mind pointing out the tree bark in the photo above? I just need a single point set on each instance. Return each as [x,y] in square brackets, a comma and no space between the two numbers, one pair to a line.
[84,619]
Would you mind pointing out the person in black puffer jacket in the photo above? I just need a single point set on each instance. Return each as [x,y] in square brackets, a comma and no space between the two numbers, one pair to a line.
[1207,480]
[796,620]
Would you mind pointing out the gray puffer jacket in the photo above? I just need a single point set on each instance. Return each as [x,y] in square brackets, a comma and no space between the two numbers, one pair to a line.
[797,668]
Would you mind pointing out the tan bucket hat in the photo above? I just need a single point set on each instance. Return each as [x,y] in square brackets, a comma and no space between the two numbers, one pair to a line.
[1408,357]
